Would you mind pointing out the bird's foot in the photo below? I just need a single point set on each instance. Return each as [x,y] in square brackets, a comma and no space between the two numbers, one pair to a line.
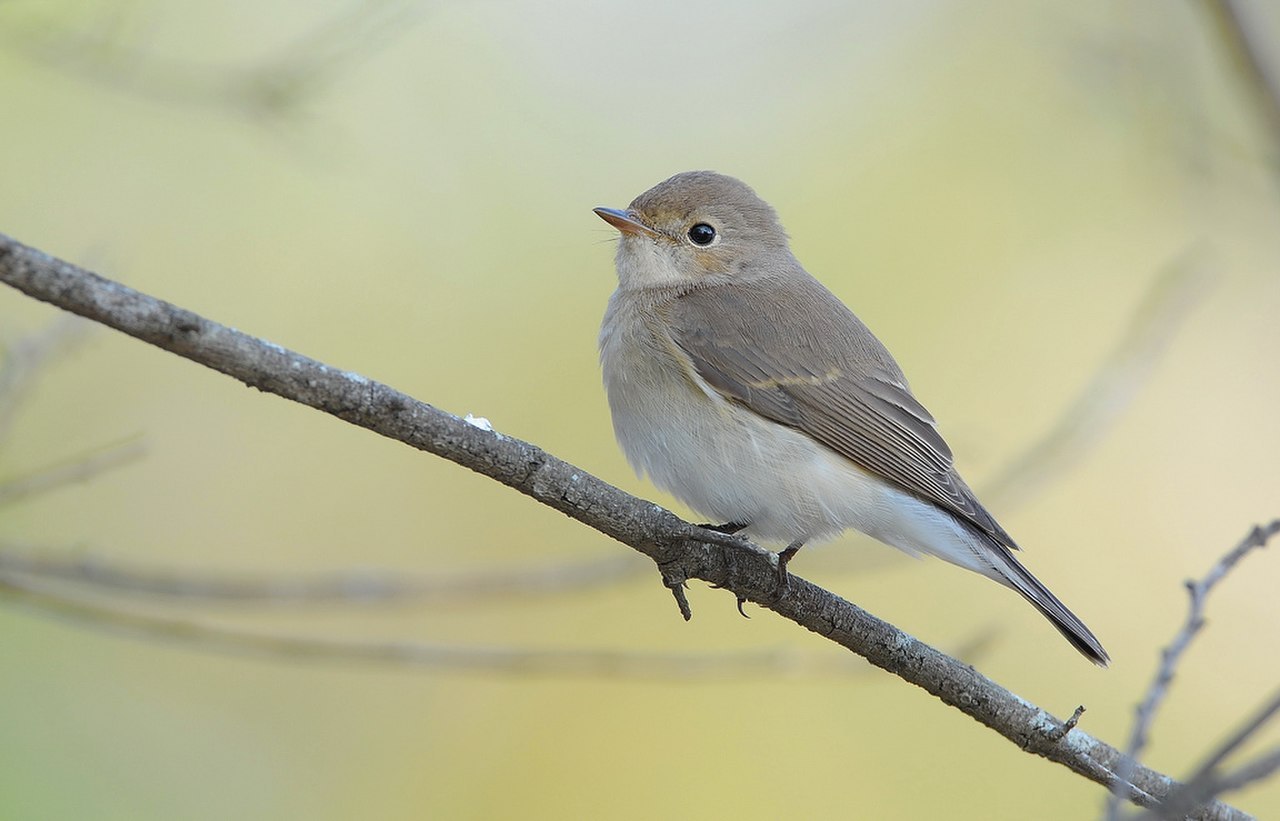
[728,528]
[784,557]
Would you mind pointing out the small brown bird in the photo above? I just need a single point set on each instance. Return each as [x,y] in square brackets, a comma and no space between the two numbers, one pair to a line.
[744,387]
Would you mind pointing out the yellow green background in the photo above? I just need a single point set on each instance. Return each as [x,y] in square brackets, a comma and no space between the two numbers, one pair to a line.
[992,186]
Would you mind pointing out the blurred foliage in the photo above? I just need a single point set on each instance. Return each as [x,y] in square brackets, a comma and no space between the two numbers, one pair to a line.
[404,190]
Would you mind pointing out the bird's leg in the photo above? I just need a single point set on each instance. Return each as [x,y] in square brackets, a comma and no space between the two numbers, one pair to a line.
[784,557]
[728,528]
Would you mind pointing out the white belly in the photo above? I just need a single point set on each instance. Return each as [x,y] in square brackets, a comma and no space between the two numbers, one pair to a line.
[731,465]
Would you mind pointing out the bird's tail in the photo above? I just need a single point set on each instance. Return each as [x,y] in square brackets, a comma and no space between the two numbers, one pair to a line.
[1068,624]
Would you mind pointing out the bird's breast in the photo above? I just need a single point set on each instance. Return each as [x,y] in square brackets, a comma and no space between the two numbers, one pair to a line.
[721,459]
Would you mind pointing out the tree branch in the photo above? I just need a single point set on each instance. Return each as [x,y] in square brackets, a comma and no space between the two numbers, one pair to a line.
[681,550]
[1246,56]
[26,358]
[1077,429]
[1208,781]
[270,90]
[1172,655]
[1177,287]
[441,658]
[352,585]
[80,469]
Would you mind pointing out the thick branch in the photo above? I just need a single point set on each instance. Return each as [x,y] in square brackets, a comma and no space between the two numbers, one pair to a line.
[1068,439]
[681,551]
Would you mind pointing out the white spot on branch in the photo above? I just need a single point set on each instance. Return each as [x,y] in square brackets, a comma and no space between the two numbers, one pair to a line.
[478,422]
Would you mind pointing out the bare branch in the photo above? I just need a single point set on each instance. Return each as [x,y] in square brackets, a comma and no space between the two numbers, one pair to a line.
[79,469]
[93,613]
[1208,781]
[1215,784]
[608,664]
[1172,654]
[1167,303]
[356,586]
[1238,738]
[1081,424]
[681,550]
[1246,56]
[274,89]
[25,358]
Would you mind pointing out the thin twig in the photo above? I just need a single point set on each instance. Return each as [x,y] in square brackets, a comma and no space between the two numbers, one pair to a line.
[1215,784]
[42,599]
[745,570]
[80,469]
[1237,739]
[1172,655]
[270,90]
[1178,287]
[25,358]
[1208,781]
[1246,56]
[1068,725]
[356,586]
[471,659]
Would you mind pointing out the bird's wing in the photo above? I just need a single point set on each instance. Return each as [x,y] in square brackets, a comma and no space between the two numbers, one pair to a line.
[764,346]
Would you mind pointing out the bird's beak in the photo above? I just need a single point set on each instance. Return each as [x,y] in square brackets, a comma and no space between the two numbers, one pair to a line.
[625,222]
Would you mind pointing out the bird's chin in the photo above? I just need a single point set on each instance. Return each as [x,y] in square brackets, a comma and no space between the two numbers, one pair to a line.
[646,263]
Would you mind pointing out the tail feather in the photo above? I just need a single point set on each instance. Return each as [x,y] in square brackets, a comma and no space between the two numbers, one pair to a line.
[1069,625]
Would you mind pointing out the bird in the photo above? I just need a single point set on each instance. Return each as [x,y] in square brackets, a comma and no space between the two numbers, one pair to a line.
[741,385]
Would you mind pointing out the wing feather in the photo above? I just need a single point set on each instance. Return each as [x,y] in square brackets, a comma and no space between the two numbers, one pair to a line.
[764,347]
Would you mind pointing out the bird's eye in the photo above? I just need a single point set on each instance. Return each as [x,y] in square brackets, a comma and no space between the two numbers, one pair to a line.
[702,234]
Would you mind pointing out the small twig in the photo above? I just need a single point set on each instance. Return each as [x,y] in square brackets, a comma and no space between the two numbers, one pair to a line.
[1262,767]
[1246,57]
[1172,655]
[1059,732]
[1214,784]
[1208,782]
[1165,306]
[25,358]
[608,664]
[356,586]
[77,470]
[1239,737]
[272,89]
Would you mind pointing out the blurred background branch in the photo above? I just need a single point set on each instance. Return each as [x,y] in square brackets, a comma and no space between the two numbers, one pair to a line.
[76,469]
[274,90]
[25,358]
[1175,290]
[1170,658]
[1241,44]
[350,586]
[458,659]
[1210,780]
